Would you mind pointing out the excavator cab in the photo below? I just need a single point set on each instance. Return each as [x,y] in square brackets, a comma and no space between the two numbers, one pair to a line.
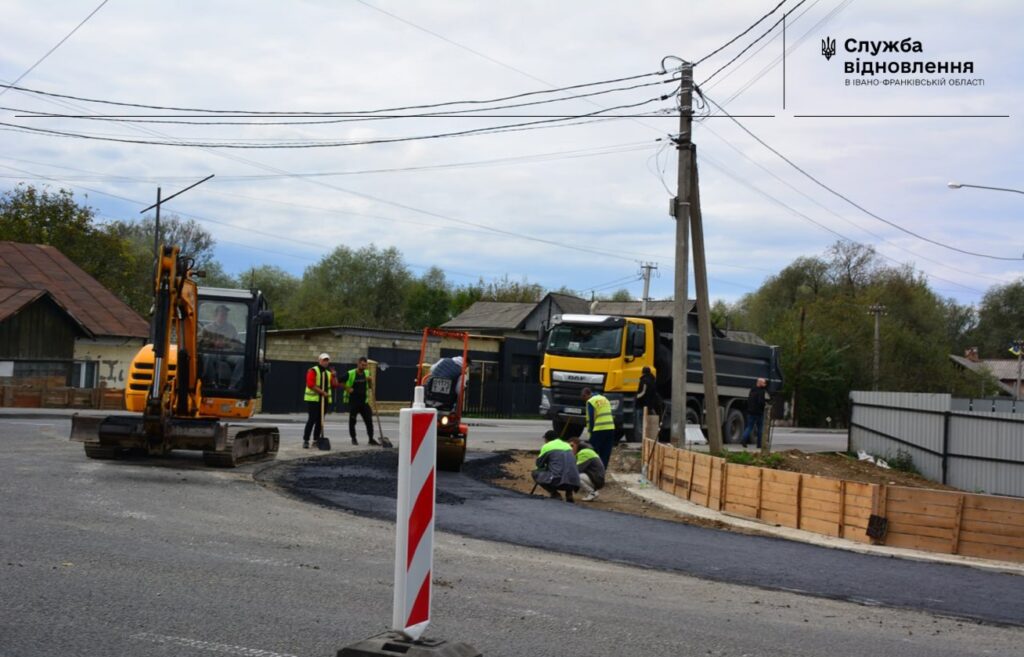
[205,363]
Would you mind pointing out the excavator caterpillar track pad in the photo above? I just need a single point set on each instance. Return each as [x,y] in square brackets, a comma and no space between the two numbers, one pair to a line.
[243,442]
[97,451]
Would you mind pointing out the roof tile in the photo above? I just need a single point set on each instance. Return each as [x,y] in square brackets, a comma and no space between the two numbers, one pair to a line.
[42,267]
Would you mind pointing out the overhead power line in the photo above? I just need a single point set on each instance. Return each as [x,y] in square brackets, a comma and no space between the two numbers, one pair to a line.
[849,200]
[512,127]
[551,156]
[740,180]
[738,36]
[752,44]
[4,88]
[349,112]
[824,207]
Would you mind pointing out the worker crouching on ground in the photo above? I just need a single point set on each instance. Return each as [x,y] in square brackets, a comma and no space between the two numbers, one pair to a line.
[600,424]
[556,468]
[591,470]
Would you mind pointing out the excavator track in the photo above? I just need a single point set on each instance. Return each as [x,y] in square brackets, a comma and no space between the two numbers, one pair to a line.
[97,451]
[244,443]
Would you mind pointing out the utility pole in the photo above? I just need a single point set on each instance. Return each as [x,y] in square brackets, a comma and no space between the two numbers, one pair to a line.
[877,310]
[156,249]
[1019,346]
[686,210]
[647,267]
[681,212]
[707,352]
[799,363]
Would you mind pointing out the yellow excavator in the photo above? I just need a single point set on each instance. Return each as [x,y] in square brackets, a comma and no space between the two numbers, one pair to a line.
[204,365]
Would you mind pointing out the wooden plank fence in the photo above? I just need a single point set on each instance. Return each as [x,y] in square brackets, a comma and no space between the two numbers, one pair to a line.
[986,526]
[61,397]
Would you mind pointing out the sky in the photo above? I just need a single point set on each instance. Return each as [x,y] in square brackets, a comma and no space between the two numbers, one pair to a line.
[579,202]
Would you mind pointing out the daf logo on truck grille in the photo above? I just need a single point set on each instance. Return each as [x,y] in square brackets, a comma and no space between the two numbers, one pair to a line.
[577,377]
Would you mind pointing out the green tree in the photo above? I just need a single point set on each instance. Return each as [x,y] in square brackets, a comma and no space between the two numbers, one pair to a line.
[918,333]
[428,300]
[279,287]
[364,287]
[1000,319]
[618,295]
[40,216]
[188,235]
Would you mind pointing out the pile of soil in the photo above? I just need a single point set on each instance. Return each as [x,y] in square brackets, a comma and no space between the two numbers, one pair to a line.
[842,466]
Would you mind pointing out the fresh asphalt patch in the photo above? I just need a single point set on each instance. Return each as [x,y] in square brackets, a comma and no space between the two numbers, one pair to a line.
[365,484]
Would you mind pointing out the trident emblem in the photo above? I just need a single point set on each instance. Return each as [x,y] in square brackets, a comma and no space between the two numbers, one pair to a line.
[828,47]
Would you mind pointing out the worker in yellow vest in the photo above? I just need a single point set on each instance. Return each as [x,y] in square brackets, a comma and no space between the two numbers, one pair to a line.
[318,393]
[359,397]
[600,424]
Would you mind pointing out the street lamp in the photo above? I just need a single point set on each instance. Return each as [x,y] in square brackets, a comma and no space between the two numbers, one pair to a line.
[956,185]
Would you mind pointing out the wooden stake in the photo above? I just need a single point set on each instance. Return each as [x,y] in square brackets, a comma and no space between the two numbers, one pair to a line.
[956,525]
[842,507]
[760,484]
[799,494]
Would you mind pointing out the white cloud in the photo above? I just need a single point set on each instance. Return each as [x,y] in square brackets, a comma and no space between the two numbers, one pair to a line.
[316,56]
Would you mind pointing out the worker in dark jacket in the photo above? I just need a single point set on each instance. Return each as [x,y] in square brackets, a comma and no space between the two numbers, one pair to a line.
[556,468]
[591,470]
[647,398]
[755,411]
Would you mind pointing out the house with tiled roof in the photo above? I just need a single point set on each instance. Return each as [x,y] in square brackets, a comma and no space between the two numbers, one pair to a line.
[58,325]
[1004,372]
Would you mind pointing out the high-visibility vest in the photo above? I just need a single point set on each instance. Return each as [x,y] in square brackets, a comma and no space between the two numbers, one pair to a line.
[554,445]
[324,377]
[603,420]
[352,379]
[585,455]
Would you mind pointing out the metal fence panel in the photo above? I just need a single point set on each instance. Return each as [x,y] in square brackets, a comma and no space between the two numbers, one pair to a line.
[983,448]
[929,465]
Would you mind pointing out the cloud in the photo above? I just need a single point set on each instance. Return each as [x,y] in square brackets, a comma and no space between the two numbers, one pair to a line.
[316,56]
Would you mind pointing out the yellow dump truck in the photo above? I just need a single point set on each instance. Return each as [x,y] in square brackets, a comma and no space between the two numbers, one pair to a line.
[607,354]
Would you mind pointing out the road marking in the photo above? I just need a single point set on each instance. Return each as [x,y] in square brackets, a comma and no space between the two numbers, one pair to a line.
[206,645]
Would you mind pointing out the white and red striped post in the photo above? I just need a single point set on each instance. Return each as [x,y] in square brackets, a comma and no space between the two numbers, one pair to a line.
[414,522]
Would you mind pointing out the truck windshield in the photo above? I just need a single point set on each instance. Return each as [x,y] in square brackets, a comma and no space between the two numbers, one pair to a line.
[586,341]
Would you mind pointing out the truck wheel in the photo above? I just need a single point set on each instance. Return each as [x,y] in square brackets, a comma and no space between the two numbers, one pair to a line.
[732,429]
[692,415]
[567,429]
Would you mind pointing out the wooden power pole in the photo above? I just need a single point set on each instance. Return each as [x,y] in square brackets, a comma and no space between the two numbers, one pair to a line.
[681,212]
[686,211]
[877,310]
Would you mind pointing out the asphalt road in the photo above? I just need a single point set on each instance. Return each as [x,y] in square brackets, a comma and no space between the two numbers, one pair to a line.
[170,558]
[365,484]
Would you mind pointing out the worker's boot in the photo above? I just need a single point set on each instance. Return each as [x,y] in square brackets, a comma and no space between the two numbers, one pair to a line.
[569,497]
[373,442]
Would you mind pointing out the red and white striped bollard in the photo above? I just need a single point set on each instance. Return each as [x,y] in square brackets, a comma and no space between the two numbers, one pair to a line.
[414,522]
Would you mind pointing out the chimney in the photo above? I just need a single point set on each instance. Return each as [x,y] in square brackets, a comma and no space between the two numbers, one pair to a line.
[971,354]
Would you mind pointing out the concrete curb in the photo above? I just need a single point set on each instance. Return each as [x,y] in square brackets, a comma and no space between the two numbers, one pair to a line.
[634,484]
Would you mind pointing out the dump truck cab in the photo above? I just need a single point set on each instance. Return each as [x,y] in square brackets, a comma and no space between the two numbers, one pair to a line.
[604,353]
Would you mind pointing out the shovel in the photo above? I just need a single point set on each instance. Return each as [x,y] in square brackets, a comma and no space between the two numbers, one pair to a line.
[384,442]
[322,443]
